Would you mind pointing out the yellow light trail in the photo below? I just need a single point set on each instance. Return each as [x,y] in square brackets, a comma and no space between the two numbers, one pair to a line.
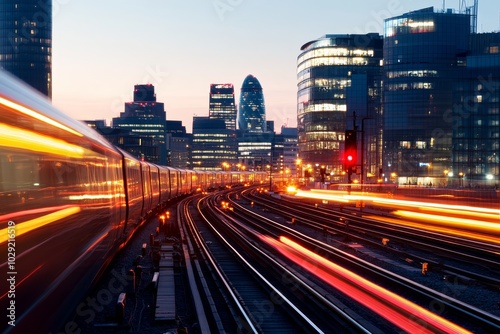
[33,224]
[36,115]
[494,240]
[27,140]
[485,213]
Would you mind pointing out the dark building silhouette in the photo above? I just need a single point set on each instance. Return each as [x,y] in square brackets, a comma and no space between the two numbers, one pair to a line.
[26,42]
[222,104]
[252,110]
[178,145]
[145,117]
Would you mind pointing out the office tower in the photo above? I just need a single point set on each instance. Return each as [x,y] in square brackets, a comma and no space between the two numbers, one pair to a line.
[285,148]
[338,76]
[213,147]
[252,110]
[475,116]
[146,117]
[178,145]
[255,149]
[26,42]
[424,54]
[222,104]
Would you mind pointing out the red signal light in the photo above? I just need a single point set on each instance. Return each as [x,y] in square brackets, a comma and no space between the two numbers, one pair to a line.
[349,158]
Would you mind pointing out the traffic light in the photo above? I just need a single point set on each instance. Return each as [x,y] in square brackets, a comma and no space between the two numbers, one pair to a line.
[350,150]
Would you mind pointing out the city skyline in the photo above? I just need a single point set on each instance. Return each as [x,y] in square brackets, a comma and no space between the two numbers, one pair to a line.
[182,48]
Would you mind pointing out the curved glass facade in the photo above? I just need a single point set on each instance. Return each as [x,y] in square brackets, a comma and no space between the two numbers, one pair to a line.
[336,74]
[423,55]
[26,41]
[252,110]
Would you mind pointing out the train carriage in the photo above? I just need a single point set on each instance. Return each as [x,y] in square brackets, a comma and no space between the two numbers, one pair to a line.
[73,199]
[146,188]
[184,185]
[134,191]
[62,196]
[155,185]
[174,181]
[165,190]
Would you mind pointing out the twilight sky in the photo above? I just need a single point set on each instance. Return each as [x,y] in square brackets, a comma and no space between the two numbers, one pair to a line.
[101,49]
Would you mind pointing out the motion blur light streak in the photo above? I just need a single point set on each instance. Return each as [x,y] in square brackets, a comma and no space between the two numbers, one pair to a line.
[476,225]
[36,115]
[401,312]
[331,197]
[486,213]
[488,216]
[24,279]
[433,228]
[33,224]
[27,140]
[25,213]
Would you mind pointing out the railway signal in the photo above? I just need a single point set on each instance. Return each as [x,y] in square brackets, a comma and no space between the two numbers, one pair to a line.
[350,153]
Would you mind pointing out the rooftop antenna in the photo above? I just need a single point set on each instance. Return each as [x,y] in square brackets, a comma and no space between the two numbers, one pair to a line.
[473,27]
[472,11]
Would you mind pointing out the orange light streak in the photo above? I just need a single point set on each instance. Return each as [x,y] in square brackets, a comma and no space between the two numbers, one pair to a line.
[14,215]
[476,212]
[36,223]
[31,141]
[37,115]
[401,312]
[301,193]
[476,225]
[433,228]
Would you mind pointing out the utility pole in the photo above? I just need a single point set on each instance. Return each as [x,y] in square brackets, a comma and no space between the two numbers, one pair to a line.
[362,178]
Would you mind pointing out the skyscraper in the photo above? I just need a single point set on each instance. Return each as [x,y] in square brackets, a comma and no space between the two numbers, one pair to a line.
[144,116]
[222,104]
[337,76]
[424,52]
[26,41]
[252,110]
[475,116]
[213,146]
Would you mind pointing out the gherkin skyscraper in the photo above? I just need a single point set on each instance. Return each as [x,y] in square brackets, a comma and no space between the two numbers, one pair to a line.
[251,110]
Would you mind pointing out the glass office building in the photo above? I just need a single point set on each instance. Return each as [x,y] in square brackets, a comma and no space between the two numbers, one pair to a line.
[338,76]
[26,42]
[475,116]
[252,110]
[424,53]
[213,147]
[222,104]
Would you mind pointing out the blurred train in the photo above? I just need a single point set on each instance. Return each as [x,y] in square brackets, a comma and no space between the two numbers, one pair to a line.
[69,200]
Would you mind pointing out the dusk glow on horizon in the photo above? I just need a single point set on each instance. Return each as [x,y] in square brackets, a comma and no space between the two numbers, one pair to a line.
[102,49]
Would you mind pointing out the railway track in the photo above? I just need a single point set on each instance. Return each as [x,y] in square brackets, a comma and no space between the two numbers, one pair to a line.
[353,224]
[478,320]
[249,282]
